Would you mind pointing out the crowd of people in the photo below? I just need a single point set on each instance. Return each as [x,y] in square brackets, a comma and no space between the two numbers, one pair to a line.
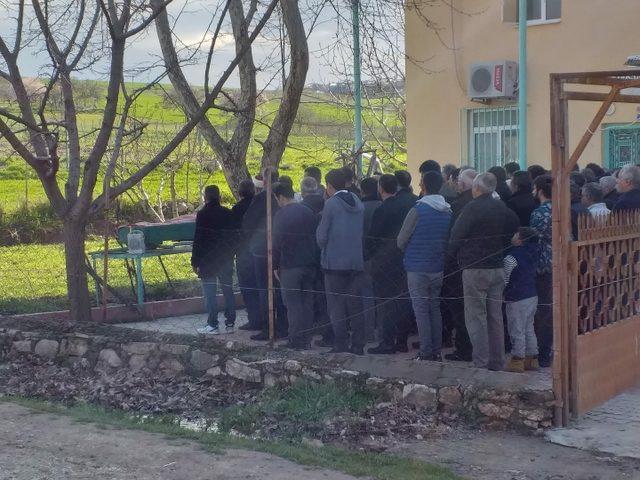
[466,263]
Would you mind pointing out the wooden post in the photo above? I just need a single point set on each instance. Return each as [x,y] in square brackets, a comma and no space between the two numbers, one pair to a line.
[269,188]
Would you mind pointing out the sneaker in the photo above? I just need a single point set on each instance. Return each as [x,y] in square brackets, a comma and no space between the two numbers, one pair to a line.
[230,329]
[516,365]
[531,363]
[209,330]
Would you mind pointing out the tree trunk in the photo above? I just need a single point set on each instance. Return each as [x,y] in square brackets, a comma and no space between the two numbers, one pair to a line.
[77,285]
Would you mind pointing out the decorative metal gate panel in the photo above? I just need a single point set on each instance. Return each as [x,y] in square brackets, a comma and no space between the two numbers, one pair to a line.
[622,146]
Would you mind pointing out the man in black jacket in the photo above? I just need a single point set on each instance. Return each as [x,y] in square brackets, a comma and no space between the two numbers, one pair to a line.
[478,241]
[522,202]
[244,259]
[387,269]
[212,258]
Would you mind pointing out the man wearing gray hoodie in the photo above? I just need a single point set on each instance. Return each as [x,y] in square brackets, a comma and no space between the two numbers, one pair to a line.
[339,236]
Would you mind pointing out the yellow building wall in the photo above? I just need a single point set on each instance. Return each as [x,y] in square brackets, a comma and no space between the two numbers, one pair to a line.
[592,35]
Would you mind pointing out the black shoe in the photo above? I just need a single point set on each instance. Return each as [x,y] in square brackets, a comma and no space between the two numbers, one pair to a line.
[381,349]
[261,337]
[436,357]
[249,327]
[458,357]
[416,345]
[357,350]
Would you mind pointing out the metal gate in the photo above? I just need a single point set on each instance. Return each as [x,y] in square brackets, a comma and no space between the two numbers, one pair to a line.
[621,145]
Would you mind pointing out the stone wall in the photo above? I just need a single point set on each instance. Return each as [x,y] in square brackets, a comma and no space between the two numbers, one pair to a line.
[496,408]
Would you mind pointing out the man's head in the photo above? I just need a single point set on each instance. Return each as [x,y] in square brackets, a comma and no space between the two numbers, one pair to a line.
[608,184]
[211,194]
[542,187]
[484,184]
[535,171]
[246,189]
[511,168]
[308,186]
[578,178]
[628,178]
[592,193]
[465,179]
[499,173]
[589,175]
[283,193]
[387,186]
[286,179]
[431,183]
[335,181]
[521,182]
[597,170]
[369,187]
[349,176]
[404,178]
[447,172]
[313,172]
[429,166]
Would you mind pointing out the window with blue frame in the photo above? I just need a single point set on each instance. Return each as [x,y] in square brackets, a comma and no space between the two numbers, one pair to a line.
[493,136]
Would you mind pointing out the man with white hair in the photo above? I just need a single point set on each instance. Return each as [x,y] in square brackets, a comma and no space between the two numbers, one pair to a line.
[478,241]
[611,195]
[629,188]
[593,200]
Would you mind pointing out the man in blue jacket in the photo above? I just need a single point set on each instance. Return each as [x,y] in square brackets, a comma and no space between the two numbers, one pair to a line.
[423,239]
[339,236]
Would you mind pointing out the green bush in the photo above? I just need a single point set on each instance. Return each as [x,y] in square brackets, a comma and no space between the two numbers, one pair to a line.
[29,224]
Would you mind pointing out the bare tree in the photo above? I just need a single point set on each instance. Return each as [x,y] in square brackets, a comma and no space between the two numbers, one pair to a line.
[76,35]
[231,153]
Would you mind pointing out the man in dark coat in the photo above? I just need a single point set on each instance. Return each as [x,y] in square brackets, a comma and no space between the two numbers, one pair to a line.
[522,202]
[629,188]
[244,259]
[387,269]
[212,258]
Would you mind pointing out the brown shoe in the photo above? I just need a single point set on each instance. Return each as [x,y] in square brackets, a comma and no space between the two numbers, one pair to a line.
[516,365]
[531,363]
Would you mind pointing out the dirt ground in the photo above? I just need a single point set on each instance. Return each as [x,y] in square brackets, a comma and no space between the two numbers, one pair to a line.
[508,456]
[37,446]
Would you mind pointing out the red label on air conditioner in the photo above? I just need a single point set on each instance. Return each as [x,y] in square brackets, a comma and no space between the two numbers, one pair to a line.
[497,77]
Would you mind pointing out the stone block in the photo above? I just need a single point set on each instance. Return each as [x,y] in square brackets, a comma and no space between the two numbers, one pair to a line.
[22,346]
[270,380]
[139,348]
[46,349]
[109,358]
[202,360]
[74,347]
[292,366]
[375,382]
[311,374]
[171,366]
[492,410]
[536,415]
[420,396]
[214,372]
[137,362]
[174,349]
[450,397]
[242,371]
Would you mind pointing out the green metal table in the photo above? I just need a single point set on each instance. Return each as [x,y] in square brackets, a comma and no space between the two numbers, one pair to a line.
[123,254]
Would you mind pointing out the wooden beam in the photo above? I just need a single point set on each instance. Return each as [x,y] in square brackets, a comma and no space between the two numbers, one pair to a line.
[599,97]
[580,77]
[593,127]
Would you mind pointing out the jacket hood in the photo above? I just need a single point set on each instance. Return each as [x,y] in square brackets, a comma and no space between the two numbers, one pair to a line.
[349,201]
[437,202]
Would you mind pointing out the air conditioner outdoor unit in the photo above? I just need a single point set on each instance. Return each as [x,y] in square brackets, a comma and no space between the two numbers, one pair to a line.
[493,80]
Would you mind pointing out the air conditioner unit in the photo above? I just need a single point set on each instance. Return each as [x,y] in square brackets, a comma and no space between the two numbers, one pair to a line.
[493,80]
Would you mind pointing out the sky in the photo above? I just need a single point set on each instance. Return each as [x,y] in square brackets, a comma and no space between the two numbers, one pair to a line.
[191,28]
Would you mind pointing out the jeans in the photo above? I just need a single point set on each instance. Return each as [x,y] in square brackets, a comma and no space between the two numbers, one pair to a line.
[280,314]
[249,288]
[544,316]
[344,302]
[297,293]
[453,311]
[210,293]
[520,319]
[425,290]
[483,315]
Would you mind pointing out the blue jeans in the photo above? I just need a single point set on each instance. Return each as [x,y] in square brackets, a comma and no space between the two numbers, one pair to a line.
[425,290]
[210,292]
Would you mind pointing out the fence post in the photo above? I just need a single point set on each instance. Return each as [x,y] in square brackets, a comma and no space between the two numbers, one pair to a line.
[269,187]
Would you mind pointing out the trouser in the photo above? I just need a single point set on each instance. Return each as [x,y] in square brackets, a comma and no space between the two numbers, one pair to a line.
[393,307]
[425,290]
[344,302]
[369,307]
[520,316]
[210,293]
[544,316]
[453,311]
[280,314]
[249,288]
[297,294]
[320,315]
[483,315]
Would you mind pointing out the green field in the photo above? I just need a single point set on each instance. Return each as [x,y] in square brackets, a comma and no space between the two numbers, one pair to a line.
[32,275]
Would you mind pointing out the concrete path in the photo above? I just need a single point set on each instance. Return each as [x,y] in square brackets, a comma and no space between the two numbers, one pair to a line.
[52,447]
[612,428]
